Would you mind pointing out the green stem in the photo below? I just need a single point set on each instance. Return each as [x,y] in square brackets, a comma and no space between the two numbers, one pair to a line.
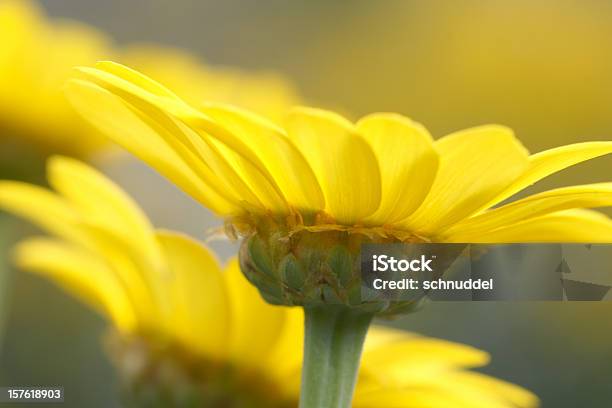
[334,336]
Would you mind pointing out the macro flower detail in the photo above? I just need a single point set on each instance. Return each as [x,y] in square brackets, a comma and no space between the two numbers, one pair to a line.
[307,194]
[187,333]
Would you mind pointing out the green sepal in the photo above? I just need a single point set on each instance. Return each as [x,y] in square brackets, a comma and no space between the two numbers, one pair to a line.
[306,268]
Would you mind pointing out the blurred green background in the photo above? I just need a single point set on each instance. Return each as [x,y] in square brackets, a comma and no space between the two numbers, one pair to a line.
[542,68]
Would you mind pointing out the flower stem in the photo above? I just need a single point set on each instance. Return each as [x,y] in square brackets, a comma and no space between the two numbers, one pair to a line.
[334,336]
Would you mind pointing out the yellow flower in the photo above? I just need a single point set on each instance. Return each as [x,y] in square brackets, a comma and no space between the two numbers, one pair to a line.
[170,302]
[37,57]
[311,191]
[383,174]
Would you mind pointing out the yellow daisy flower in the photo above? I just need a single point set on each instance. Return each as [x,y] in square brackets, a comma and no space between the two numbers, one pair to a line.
[190,333]
[306,195]
[383,172]
[383,177]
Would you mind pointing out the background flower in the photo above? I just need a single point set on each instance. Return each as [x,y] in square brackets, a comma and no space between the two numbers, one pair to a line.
[38,54]
[36,59]
[188,331]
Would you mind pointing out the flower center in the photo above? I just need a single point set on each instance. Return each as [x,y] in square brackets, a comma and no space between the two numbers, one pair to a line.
[249,224]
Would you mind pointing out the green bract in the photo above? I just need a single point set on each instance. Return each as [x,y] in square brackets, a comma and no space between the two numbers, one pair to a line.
[306,268]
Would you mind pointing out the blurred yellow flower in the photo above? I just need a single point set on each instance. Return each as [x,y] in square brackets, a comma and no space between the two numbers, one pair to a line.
[383,176]
[37,57]
[171,303]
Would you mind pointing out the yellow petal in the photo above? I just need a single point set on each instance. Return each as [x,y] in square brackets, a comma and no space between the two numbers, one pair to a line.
[417,397]
[54,214]
[287,165]
[226,155]
[415,357]
[254,323]
[565,226]
[182,141]
[257,184]
[202,156]
[117,76]
[115,119]
[103,203]
[144,285]
[407,160]
[81,274]
[512,395]
[210,160]
[242,173]
[475,166]
[200,312]
[342,160]
[447,388]
[136,78]
[550,161]
[379,336]
[41,207]
[586,196]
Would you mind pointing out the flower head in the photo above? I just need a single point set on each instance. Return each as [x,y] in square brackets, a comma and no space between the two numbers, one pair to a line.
[383,172]
[306,194]
[196,332]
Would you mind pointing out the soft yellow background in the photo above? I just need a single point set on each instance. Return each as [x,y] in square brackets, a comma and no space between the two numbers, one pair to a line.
[543,68]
